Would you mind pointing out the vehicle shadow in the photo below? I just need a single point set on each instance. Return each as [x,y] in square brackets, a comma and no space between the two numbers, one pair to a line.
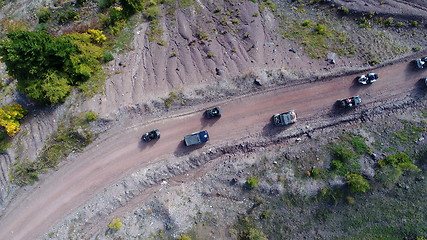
[356,87]
[420,90]
[337,110]
[182,150]
[272,130]
[145,145]
[208,122]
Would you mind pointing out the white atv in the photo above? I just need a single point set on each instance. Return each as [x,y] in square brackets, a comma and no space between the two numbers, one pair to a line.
[368,78]
[421,62]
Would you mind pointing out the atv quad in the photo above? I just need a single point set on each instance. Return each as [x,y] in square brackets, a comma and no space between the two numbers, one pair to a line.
[154,134]
[368,78]
[213,112]
[349,102]
[286,118]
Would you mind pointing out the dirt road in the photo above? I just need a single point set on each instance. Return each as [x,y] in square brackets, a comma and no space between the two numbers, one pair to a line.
[31,214]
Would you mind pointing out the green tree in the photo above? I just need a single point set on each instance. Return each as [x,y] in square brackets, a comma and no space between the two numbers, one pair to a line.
[357,182]
[115,224]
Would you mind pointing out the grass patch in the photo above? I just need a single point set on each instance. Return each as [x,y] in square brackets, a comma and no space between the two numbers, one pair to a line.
[317,38]
[71,136]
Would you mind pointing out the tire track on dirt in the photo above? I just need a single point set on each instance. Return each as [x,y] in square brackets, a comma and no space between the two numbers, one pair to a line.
[78,180]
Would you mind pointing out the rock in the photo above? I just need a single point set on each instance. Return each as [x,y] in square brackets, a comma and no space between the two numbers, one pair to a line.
[258,82]
[298,139]
[419,179]
[292,50]
[331,58]
[374,156]
[218,71]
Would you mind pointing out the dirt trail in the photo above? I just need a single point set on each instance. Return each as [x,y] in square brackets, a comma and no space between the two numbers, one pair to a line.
[108,161]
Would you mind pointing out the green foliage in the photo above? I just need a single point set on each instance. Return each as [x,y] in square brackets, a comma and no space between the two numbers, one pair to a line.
[115,224]
[70,136]
[184,236]
[108,57]
[399,24]
[417,49]
[415,23]
[315,172]
[359,145]
[357,182]
[343,153]
[45,66]
[373,62]
[151,13]
[247,229]
[210,55]
[91,116]
[389,175]
[317,39]
[43,14]
[173,97]
[398,160]
[9,118]
[4,141]
[321,29]
[336,165]
[252,181]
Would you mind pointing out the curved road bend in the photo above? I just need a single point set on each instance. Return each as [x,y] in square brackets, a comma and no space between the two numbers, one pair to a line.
[31,214]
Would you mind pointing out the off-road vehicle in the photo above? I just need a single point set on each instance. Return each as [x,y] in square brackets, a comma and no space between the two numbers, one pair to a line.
[368,78]
[349,102]
[151,135]
[285,118]
[421,62]
[196,138]
[213,112]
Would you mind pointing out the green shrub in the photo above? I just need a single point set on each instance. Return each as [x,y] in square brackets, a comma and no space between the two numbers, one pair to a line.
[359,145]
[151,13]
[388,22]
[357,182]
[321,29]
[91,116]
[210,55]
[399,24]
[43,14]
[343,154]
[336,165]
[115,224]
[414,23]
[350,200]
[398,160]
[417,49]
[306,23]
[315,172]
[108,57]
[252,181]
[373,62]
[184,237]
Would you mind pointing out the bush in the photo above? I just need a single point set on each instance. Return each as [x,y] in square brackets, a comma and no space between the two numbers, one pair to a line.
[108,57]
[151,13]
[91,116]
[414,23]
[115,224]
[417,49]
[9,118]
[306,23]
[336,165]
[252,181]
[343,154]
[321,29]
[398,160]
[43,14]
[184,237]
[357,182]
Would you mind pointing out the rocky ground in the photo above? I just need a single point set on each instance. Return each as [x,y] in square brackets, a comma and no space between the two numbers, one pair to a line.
[202,195]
